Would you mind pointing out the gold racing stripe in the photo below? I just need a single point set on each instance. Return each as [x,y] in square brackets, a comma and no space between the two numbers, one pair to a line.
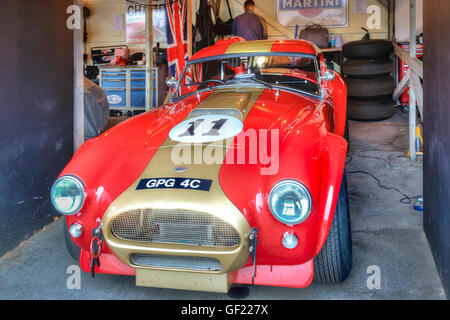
[262,46]
[213,202]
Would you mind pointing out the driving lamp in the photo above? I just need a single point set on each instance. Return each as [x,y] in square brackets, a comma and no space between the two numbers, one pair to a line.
[76,230]
[290,241]
[68,195]
[290,202]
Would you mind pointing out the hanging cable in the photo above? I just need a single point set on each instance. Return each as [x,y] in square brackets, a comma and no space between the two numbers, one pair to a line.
[405,200]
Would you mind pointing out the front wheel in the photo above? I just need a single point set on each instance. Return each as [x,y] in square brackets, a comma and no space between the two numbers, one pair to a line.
[334,262]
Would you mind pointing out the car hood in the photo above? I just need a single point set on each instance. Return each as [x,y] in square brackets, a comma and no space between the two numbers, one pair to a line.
[182,178]
[257,109]
[140,148]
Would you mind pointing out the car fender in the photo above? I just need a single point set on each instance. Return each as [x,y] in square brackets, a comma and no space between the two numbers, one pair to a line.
[333,159]
[338,92]
[308,154]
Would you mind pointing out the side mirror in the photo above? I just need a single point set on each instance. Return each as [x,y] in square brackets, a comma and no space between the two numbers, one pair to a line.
[171,82]
[329,75]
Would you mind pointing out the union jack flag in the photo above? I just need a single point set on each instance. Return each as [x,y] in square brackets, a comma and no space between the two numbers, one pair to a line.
[177,55]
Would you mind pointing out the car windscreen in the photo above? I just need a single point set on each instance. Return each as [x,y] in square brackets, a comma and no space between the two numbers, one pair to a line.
[294,72]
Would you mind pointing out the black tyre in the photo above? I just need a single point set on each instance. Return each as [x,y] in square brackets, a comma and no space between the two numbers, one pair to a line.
[347,134]
[370,110]
[367,68]
[367,49]
[334,262]
[370,89]
[347,130]
[72,248]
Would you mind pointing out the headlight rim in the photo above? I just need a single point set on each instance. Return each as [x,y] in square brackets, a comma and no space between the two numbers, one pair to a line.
[304,189]
[80,183]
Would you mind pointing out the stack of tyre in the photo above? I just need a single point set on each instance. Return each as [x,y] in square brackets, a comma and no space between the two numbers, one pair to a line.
[370,85]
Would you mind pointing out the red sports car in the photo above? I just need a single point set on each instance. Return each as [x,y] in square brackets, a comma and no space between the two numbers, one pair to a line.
[239,179]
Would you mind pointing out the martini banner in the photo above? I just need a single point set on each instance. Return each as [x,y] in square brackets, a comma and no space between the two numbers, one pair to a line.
[328,13]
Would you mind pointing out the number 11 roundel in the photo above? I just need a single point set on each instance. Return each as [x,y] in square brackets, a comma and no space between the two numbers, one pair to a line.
[208,128]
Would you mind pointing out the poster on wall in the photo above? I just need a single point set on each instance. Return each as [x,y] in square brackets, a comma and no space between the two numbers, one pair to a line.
[136,32]
[328,13]
[360,6]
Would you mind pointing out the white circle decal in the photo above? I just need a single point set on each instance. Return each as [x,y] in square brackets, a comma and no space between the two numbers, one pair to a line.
[208,128]
[114,99]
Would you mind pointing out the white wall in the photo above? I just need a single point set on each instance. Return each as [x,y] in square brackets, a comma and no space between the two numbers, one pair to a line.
[101,23]
[402,19]
[350,33]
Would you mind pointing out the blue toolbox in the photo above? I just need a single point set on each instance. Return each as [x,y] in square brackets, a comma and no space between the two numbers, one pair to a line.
[125,88]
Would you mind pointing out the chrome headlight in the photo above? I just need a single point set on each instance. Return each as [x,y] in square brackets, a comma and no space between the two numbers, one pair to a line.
[68,195]
[290,202]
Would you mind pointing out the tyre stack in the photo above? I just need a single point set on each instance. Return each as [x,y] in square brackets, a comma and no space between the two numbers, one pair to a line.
[370,85]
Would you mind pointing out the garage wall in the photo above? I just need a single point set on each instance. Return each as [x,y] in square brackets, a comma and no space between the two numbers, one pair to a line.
[101,24]
[353,32]
[36,119]
[437,134]
[402,17]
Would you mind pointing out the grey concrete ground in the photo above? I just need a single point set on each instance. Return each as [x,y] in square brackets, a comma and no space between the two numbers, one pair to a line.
[386,234]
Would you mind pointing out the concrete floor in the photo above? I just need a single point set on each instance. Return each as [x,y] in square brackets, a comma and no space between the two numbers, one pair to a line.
[386,234]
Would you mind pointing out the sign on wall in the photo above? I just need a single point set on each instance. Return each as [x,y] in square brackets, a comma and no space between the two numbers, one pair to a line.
[136,32]
[330,13]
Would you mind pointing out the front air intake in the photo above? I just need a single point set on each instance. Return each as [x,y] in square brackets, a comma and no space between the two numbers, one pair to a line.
[176,262]
[175,227]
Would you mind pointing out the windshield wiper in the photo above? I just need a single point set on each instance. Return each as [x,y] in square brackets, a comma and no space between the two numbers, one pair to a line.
[268,85]
[251,76]
[203,83]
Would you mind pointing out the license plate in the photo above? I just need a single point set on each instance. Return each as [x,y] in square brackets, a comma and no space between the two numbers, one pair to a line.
[175,183]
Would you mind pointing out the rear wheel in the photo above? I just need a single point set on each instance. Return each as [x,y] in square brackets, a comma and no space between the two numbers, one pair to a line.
[347,131]
[72,248]
[334,262]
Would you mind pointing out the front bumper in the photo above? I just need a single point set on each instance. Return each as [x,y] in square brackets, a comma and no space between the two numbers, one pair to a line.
[295,276]
[163,255]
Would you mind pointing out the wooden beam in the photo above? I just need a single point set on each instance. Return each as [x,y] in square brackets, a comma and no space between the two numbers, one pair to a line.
[418,90]
[412,29]
[78,72]
[401,87]
[415,64]
[384,3]
[189,28]
[272,22]
[391,19]
[412,93]
[149,56]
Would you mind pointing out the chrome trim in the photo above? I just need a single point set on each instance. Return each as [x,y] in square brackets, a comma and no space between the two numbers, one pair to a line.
[223,112]
[175,262]
[253,54]
[297,183]
[79,183]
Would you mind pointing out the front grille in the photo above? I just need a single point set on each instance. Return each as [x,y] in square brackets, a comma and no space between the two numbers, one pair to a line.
[177,262]
[174,226]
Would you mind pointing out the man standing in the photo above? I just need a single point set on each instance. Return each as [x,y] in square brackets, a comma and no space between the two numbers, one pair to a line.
[248,25]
